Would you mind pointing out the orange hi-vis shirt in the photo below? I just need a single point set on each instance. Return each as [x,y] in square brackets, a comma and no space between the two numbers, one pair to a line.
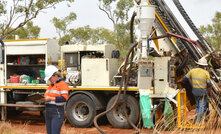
[59,89]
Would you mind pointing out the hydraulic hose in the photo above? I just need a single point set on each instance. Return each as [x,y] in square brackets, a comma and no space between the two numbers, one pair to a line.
[132,27]
[128,74]
[3,52]
[122,81]
[118,94]
[155,109]
[167,16]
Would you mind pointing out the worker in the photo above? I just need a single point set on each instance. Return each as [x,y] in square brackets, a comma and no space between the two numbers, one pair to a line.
[201,87]
[55,98]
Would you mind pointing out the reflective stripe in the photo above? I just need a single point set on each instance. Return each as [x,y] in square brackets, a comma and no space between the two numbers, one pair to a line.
[53,91]
[199,79]
[197,84]
[54,103]
[64,92]
[201,86]
[59,89]
[57,92]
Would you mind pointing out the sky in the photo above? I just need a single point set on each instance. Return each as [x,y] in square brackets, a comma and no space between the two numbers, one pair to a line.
[200,11]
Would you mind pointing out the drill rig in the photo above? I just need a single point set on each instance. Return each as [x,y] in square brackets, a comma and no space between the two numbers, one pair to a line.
[176,55]
[164,53]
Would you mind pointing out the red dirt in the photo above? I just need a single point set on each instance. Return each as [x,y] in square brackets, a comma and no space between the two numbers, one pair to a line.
[34,123]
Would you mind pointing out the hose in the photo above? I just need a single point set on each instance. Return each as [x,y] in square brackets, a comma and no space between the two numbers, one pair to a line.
[128,75]
[167,16]
[118,94]
[155,109]
[122,81]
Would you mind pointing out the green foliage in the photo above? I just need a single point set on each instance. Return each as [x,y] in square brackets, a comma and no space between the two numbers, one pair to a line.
[87,35]
[64,39]
[29,31]
[3,7]
[118,12]
[17,13]
[81,35]
[213,32]
[61,26]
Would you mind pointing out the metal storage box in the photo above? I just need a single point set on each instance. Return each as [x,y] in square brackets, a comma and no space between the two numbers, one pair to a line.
[105,67]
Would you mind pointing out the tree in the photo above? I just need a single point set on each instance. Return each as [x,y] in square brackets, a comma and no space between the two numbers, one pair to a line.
[30,32]
[16,13]
[81,35]
[213,32]
[87,35]
[118,12]
[61,25]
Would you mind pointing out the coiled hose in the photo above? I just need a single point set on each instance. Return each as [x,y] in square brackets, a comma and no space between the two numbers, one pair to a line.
[118,94]
[130,53]
[128,75]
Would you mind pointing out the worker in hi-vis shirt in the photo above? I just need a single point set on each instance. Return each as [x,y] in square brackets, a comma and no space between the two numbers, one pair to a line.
[201,87]
[55,96]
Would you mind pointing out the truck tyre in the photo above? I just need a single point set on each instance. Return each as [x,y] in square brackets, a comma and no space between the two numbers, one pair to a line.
[116,116]
[81,110]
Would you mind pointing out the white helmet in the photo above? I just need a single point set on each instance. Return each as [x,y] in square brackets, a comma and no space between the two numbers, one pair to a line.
[202,61]
[49,71]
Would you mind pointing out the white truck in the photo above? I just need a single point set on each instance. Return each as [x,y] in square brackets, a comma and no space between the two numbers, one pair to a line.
[92,70]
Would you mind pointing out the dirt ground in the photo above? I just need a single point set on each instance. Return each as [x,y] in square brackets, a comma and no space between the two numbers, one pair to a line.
[30,122]
[33,123]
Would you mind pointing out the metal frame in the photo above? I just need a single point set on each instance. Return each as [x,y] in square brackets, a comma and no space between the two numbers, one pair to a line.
[184,122]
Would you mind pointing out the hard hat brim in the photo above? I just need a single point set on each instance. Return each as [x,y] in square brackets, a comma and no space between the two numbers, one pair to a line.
[47,78]
[202,64]
[49,71]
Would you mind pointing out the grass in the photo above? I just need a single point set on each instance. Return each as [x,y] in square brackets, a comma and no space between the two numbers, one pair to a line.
[6,128]
[212,126]
[211,123]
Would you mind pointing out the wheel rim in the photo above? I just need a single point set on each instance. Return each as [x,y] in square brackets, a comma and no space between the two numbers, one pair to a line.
[80,111]
[118,112]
